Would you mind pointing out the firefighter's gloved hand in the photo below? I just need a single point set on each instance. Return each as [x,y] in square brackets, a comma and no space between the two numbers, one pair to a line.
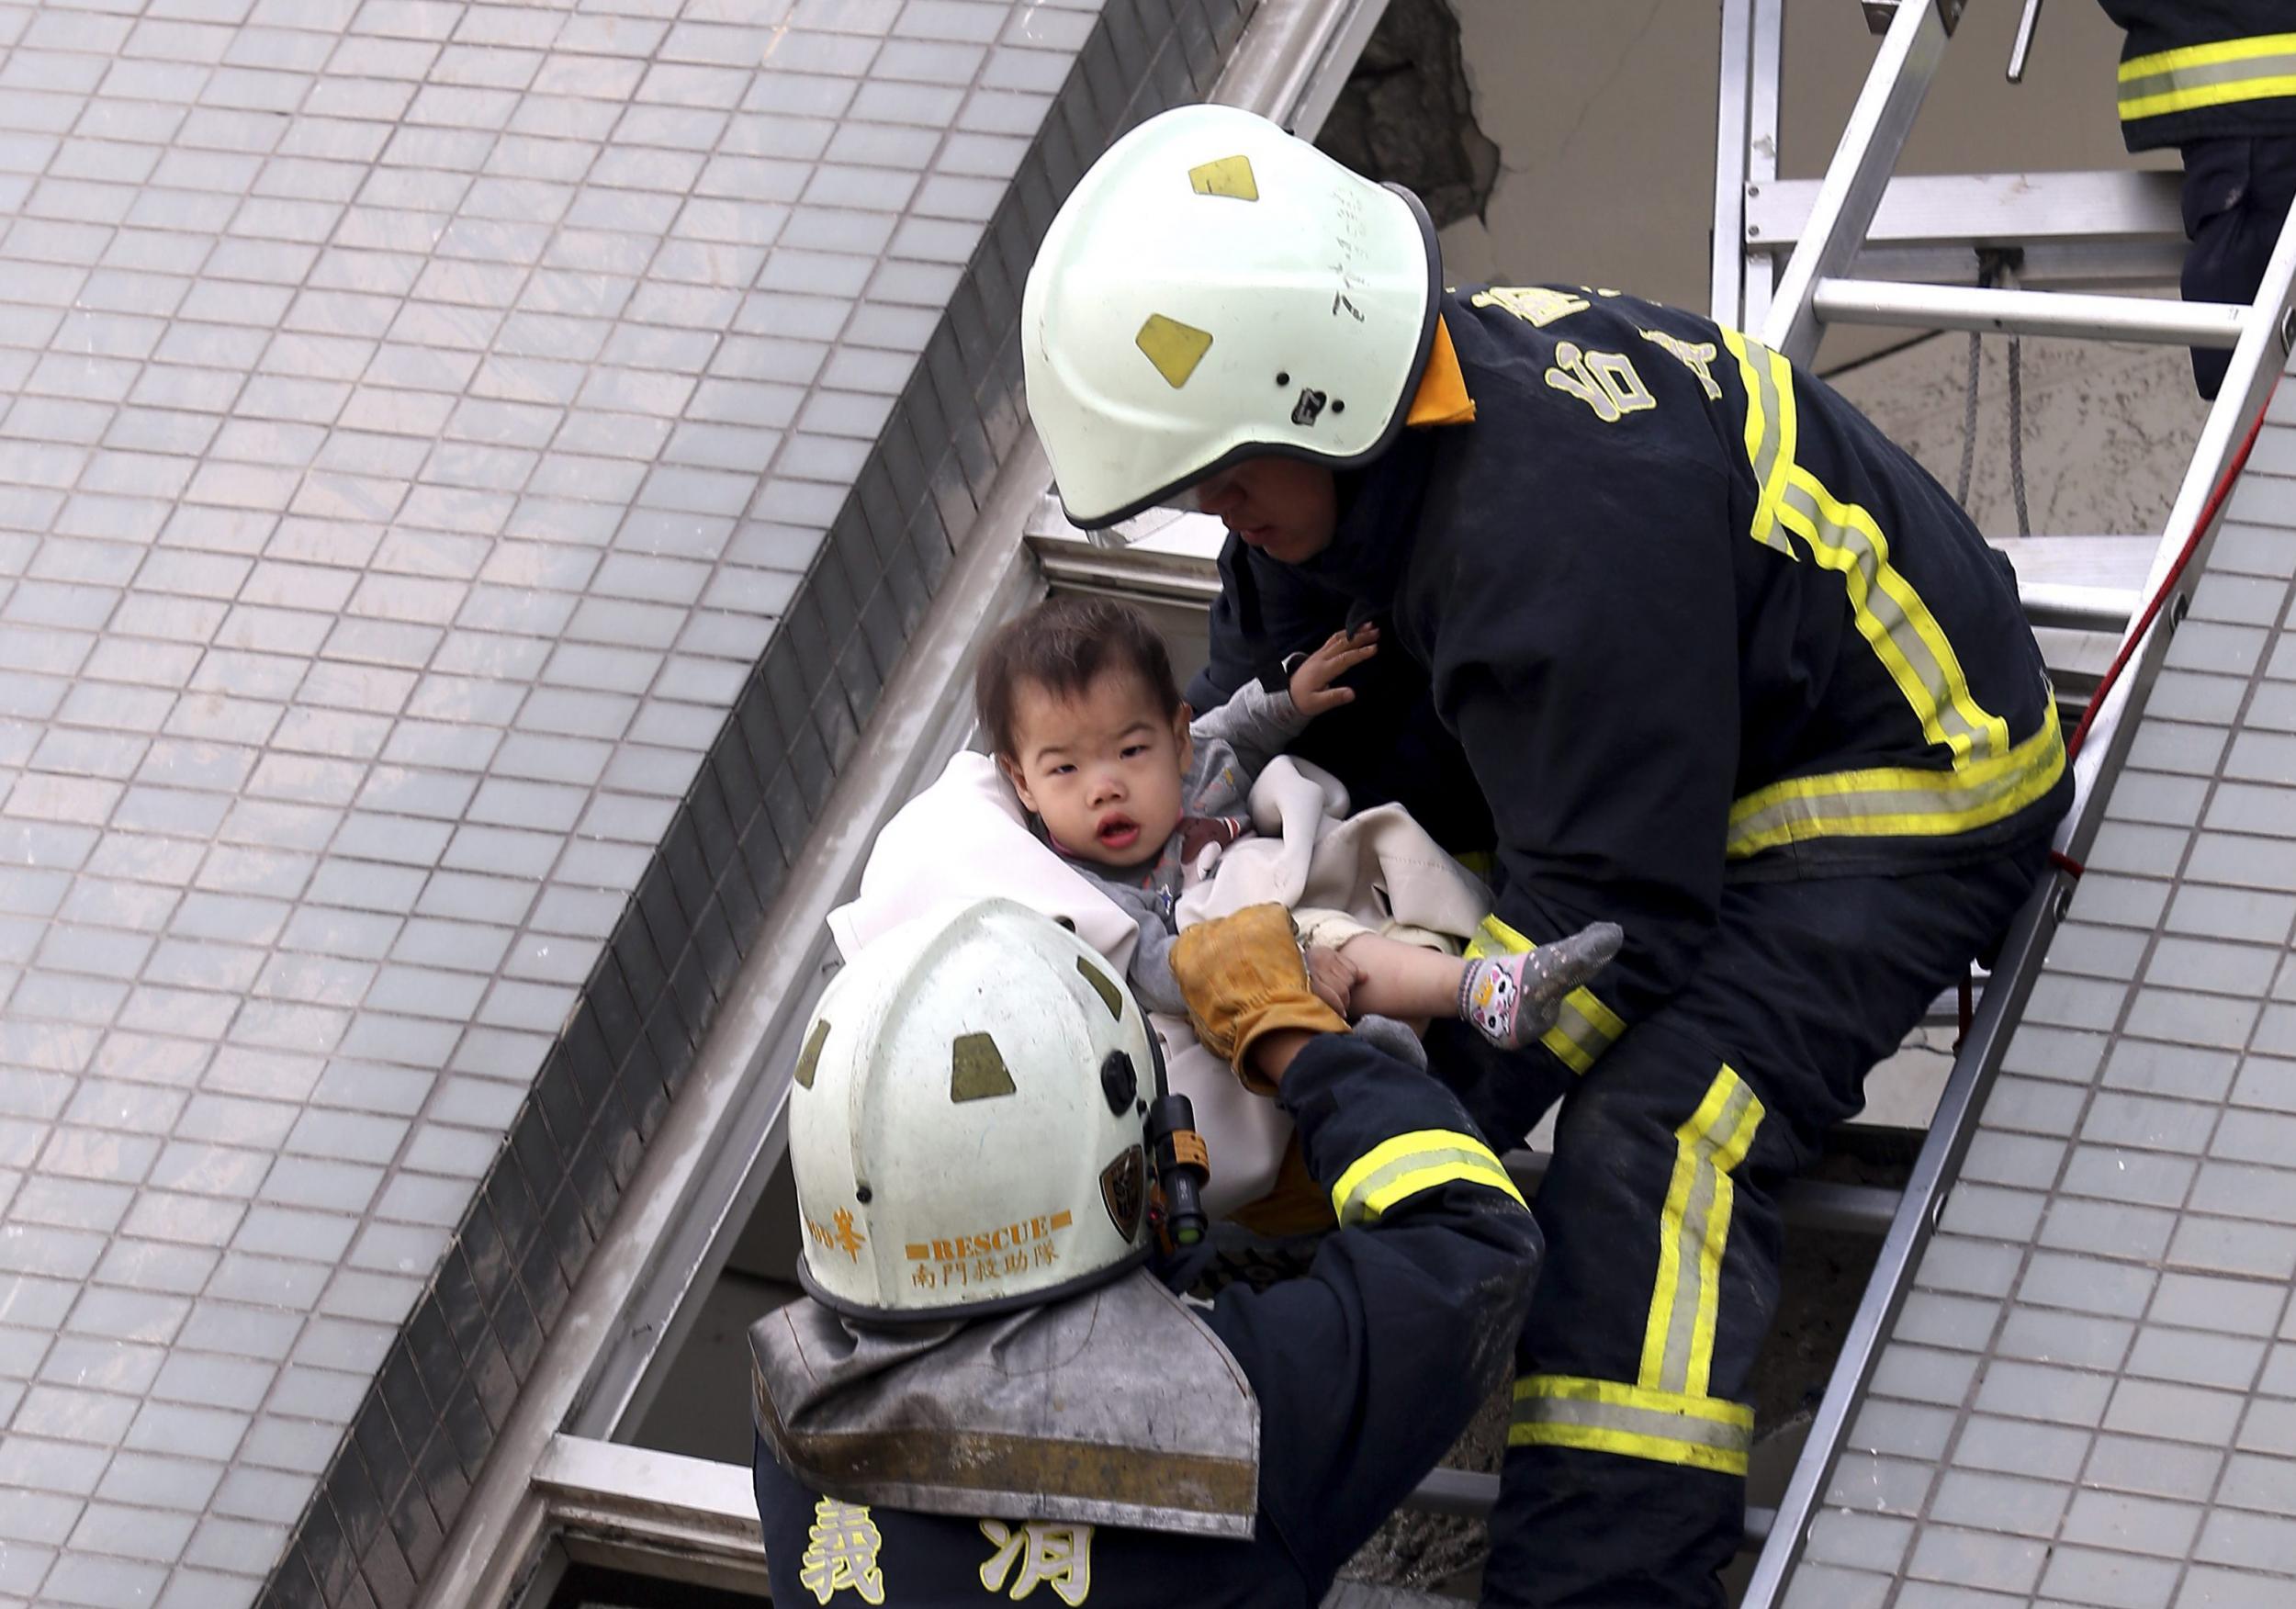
[1513,999]
[1243,978]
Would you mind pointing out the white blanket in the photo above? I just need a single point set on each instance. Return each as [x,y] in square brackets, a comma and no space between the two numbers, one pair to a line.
[1378,867]
[965,839]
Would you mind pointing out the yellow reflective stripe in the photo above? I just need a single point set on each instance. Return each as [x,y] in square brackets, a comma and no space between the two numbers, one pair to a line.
[2260,67]
[1693,1232]
[1893,619]
[1390,1173]
[1665,1427]
[1769,382]
[1584,1028]
[1990,778]
[1899,801]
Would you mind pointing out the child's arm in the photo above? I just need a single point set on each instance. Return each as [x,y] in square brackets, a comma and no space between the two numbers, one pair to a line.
[1257,724]
[1150,972]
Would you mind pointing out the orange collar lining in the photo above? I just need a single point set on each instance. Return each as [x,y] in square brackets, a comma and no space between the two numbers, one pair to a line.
[1442,396]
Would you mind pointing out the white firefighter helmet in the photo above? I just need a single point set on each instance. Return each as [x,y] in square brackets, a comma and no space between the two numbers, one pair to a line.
[1215,289]
[965,1130]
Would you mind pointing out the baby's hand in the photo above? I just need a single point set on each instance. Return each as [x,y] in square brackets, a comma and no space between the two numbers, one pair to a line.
[1311,686]
[1198,832]
[1333,977]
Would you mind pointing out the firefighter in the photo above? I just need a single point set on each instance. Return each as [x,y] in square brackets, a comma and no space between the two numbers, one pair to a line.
[1729,670]
[992,1387]
[2217,80]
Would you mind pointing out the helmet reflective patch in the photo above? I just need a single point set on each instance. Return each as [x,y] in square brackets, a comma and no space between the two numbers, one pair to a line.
[810,1057]
[1231,175]
[1175,348]
[976,1069]
[1104,986]
[1124,1191]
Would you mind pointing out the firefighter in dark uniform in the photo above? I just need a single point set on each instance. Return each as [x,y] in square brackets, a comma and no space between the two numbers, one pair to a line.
[2216,79]
[1729,670]
[991,1387]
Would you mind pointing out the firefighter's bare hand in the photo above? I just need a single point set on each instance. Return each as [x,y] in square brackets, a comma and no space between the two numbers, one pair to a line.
[1334,978]
[1311,686]
[1243,979]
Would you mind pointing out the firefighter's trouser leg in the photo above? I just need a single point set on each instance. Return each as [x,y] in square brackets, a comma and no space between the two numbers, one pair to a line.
[1625,1476]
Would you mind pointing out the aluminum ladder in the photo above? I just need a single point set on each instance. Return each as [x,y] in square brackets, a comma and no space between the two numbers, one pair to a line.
[1860,247]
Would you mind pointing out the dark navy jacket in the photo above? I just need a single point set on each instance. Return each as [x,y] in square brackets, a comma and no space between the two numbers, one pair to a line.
[1367,1371]
[2195,68]
[1690,616]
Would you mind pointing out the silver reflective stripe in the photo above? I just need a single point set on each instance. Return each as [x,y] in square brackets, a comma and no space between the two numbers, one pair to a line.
[1952,803]
[1698,1213]
[1761,384]
[1455,1163]
[1884,610]
[1654,1423]
[2185,84]
[1585,1035]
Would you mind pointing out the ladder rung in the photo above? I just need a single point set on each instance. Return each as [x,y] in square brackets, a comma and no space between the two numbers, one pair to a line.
[2029,313]
[1804,1203]
[1975,210]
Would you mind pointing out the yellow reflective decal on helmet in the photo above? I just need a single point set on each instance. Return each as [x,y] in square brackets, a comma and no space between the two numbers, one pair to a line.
[1175,348]
[977,1068]
[809,1058]
[1231,176]
[1104,986]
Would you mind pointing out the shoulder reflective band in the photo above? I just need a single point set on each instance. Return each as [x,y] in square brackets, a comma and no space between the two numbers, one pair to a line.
[1892,618]
[2260,67]
[1584,1029]
[1843,537]
[1693,1233]
[1664,1427]
[1899,801]
[1796,514]
[1391,1172]
[1769,381]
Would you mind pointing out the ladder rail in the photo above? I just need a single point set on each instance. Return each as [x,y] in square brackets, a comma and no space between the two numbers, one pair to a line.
[1746,156]
[1859,170]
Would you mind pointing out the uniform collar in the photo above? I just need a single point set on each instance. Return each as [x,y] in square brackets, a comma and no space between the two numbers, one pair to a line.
[1442,396]
[1378,504]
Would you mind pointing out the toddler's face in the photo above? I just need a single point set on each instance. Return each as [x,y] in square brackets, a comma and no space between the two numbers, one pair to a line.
[1103,768]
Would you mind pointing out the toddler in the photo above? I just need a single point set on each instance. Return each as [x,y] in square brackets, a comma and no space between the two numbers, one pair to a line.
[1085,720]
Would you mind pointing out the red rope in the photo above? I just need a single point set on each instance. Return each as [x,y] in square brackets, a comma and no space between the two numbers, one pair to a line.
[2129,645]
[2217,495]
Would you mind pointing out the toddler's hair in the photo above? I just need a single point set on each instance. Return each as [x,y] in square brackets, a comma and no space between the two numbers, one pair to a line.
[1062,646]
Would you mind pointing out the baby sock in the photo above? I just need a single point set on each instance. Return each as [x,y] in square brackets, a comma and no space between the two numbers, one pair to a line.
[1492,997]
[1395,1038]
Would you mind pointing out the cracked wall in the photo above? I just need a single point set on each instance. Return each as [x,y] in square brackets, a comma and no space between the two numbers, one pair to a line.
[1406,113]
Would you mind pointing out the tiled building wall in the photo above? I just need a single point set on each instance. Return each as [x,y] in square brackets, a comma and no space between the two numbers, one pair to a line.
[917,435]
[471,468]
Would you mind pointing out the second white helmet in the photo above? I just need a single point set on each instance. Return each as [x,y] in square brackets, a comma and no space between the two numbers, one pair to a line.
[966,1126]
[1213,290]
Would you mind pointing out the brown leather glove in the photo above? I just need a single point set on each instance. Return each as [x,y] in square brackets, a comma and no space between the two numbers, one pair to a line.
[1242,977]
